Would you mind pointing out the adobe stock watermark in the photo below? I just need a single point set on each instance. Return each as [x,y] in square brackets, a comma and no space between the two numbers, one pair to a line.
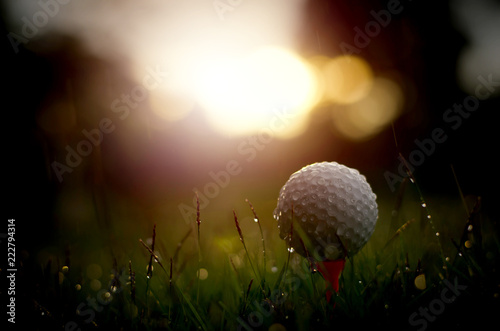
[221,7]
[31,26]
[372,29]
[248,148]
[454,117]
[87,309]
[121,106]
[425,315]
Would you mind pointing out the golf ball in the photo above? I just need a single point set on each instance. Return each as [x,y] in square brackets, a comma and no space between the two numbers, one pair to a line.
[333,208]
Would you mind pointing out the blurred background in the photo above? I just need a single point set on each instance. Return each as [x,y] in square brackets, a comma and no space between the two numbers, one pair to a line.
[117,112]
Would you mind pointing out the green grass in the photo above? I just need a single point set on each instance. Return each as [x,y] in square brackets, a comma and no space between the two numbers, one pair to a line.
[254,283]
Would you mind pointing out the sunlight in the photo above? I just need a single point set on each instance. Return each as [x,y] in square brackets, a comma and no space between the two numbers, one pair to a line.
[241,96]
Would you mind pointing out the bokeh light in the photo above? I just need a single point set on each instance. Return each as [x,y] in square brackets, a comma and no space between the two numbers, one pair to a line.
[94,271]
[479,60]
[346,79]
[95,284]
[370,115]
[202,274]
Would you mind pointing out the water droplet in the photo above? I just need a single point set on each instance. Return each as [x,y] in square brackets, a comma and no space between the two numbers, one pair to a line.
[424,204]
[437,234]
[274,269]
[291,249]
[469,228]
[468,244]
[256,220]
[429,216]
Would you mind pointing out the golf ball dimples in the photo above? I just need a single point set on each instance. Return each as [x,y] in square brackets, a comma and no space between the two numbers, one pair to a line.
[334,206]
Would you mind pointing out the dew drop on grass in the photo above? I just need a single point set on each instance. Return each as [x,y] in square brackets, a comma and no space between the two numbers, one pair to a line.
[274,269]
[256,220]
[469,228]
[291,249]
[437,234]
[424,204]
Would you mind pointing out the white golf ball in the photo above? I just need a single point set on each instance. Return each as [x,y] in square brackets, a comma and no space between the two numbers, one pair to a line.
[333,206]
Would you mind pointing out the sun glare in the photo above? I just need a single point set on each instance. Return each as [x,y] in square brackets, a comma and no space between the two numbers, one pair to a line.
[241,96]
